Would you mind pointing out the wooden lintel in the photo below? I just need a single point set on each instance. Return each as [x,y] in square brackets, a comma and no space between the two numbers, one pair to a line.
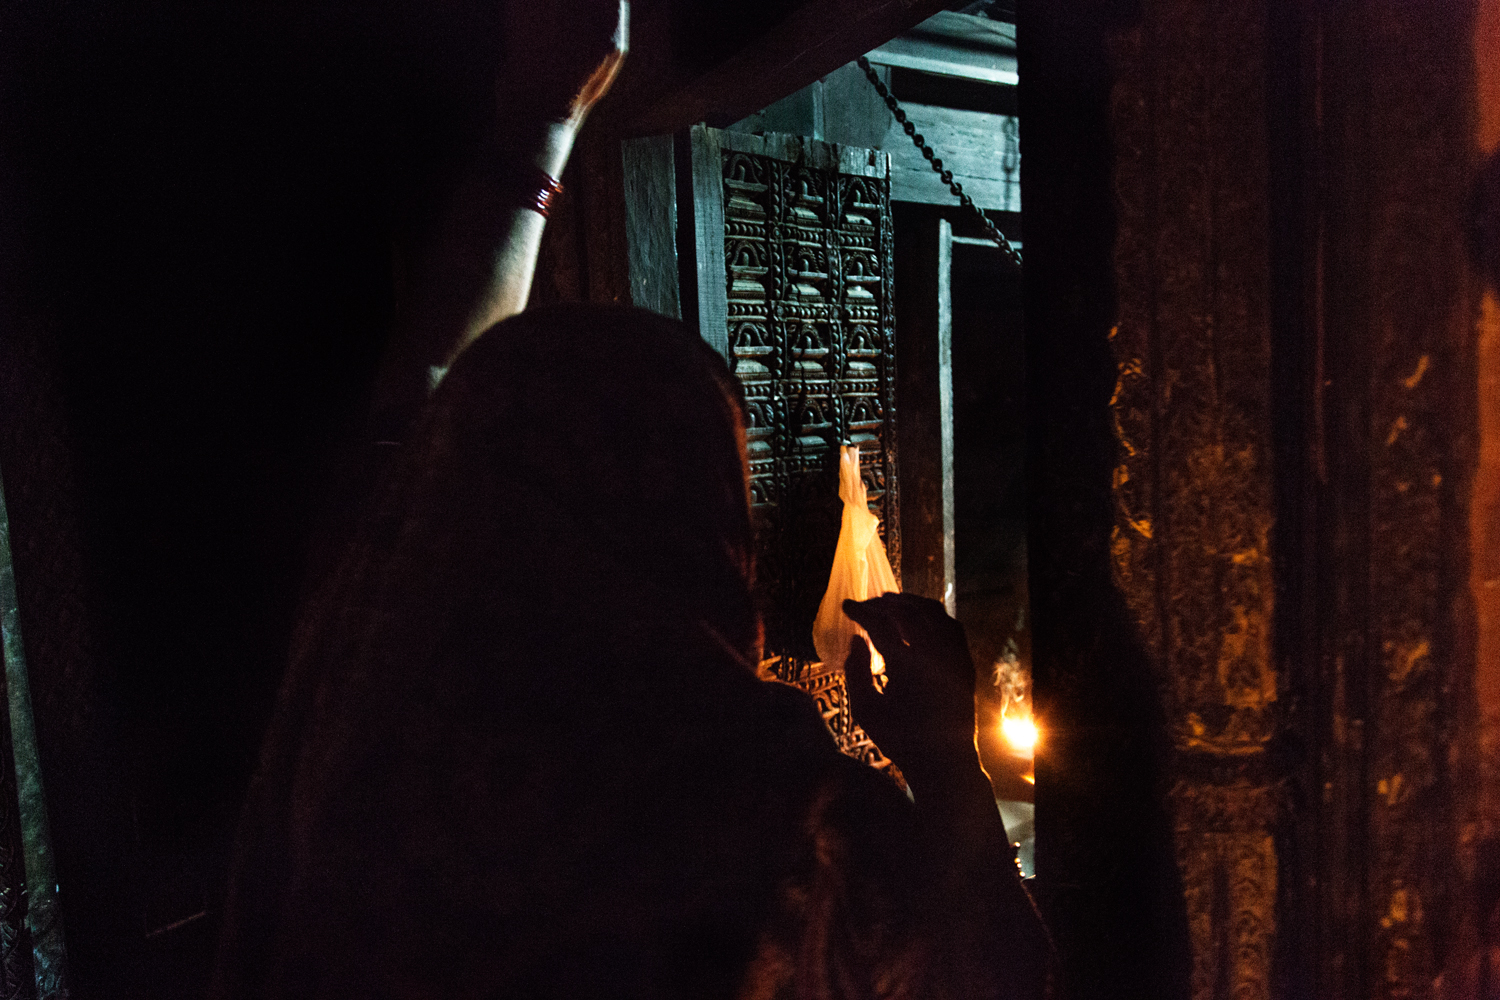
[816,38]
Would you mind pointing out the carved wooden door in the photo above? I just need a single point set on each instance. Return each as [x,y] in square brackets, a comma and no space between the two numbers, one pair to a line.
[793,271]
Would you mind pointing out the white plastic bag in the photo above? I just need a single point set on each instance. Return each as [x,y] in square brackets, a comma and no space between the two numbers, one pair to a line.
[860,570]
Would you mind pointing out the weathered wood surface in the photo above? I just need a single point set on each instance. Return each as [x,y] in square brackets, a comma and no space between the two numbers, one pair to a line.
[983,150]
[1394,683]
[813,153]
[700,182]
[1193,484]
[925,378]
[954,44]
[1291,397]
[981,147]
[651,223]
[39,903]
[739,71]
[841,107]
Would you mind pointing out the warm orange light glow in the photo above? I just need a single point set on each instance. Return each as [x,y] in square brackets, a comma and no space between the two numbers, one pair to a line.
[1021,733]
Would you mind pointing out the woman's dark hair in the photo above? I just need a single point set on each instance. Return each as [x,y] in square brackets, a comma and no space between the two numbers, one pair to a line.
[553,579]
[588,461]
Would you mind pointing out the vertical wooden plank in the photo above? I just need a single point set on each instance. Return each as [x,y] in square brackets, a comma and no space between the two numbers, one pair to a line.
[38,904]
[704,227]
[600,222]
[17,975]
[854,114]
[927,504]
[651,223]
[944,306]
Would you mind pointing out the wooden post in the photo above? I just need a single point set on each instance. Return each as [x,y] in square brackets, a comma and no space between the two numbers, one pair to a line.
[924,393]
[945,403]
[700,225]
[651,223]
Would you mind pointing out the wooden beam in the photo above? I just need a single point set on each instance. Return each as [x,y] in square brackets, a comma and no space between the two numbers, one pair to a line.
[956,45]
[816,38]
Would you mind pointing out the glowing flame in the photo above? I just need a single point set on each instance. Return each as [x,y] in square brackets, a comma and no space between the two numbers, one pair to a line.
[1020,732]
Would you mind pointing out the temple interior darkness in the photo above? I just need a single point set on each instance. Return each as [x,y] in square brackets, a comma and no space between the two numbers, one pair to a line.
[1216,471]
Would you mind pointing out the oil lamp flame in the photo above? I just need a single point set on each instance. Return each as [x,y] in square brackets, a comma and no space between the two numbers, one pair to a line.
[1021,733]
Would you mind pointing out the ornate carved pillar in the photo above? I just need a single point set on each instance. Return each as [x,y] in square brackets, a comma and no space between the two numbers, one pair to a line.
[1191,543]
[1280,210]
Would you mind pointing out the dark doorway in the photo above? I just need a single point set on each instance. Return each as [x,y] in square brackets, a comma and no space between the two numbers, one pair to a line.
[989,494]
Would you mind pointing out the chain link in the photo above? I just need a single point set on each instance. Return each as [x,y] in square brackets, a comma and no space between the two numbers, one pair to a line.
[1006,247]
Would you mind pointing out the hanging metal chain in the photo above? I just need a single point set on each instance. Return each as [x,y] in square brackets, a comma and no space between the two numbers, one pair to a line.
[1006,247]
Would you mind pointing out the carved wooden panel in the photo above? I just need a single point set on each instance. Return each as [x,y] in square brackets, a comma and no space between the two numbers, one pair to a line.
[793,273]
[828,690]
[809,331]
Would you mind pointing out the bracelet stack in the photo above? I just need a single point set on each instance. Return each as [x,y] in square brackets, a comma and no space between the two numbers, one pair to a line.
[538,191]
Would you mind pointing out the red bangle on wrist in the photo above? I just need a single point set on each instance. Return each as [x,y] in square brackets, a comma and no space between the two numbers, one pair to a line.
[539,191]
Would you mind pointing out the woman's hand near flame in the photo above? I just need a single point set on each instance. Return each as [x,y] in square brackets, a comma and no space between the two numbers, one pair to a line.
[924,719]
[970,888]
